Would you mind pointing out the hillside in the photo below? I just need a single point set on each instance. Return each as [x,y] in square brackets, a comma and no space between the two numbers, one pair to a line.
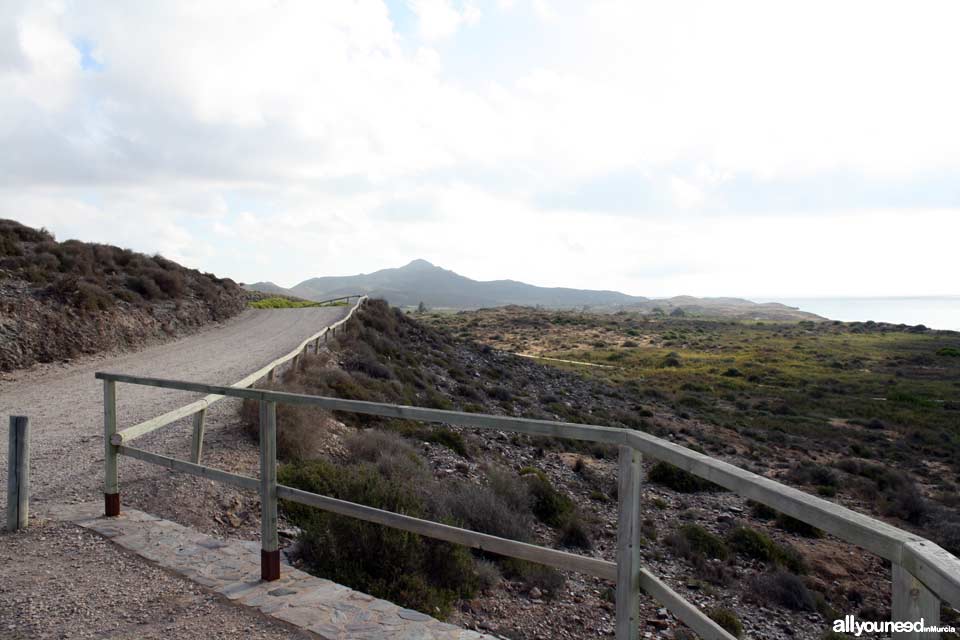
[714,547]
[419,281]
[62,299]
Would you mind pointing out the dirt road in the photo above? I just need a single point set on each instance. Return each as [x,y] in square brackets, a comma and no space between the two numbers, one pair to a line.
[65,406]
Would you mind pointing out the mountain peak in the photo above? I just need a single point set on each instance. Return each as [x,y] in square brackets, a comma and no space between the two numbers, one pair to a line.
[418,264]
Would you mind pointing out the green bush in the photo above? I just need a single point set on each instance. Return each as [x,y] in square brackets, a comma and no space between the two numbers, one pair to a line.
[405,568]
[574,533]
[278,302]
[728,620]
[450,439]
[668,475]
[757,545]
[549,505]
[700,541]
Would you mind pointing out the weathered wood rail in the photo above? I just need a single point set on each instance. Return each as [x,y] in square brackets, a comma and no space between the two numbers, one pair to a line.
[199,408]
[18,473]
[923,573]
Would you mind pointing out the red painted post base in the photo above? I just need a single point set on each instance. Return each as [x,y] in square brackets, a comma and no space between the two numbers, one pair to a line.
[111,504]
[269,565]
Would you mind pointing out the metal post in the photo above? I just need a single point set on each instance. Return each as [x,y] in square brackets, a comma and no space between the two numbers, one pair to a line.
[913,602]
[196,446]
[269,541]
[628,545]
[18,474]
[111,476]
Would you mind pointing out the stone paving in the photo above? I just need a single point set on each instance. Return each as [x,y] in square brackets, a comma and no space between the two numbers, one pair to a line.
[329,610]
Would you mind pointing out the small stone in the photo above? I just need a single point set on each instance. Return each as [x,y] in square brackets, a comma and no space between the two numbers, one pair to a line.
[535,593]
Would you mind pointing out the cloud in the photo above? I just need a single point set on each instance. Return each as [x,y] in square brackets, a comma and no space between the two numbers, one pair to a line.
[441,18]
[498,138]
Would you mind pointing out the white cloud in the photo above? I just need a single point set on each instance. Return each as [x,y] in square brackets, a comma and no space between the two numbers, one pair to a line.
[324,139]
[441,18]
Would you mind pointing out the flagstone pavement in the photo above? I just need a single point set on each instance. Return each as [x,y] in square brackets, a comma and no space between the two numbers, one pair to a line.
[232,568]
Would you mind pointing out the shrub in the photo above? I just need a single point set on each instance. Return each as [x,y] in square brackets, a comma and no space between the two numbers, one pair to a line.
[811,473]
[91,297]
[170,282]
[480,509]
[506,485]
[450,439]
[501,393]
[675,478]
[402,567]
[728,620]
[907,504]
[757,545]
[574,533]
[694,539]
[145,287]
[671,360]
[784,589]
[300,428]
[549,505]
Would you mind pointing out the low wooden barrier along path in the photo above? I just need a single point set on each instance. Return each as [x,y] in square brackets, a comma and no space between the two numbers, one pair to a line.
[923,573]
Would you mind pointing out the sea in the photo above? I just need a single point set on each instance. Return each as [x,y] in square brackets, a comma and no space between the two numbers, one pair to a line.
[935,312]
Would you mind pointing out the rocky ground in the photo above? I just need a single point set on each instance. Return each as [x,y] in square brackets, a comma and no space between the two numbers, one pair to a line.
[61,300]
[61,581]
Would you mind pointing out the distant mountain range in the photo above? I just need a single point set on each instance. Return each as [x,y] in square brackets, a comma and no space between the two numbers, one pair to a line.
[420,281]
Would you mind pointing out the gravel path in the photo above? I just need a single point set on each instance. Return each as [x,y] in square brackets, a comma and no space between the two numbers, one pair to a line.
[65,402]
[57,581]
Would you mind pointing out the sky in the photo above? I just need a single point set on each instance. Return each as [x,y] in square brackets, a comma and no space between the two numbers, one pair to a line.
[750,147]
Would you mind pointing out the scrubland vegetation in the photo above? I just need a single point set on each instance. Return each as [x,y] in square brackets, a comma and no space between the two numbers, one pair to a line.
[714,544]
[62,299]
[869,412]
[95,277]
[280,302]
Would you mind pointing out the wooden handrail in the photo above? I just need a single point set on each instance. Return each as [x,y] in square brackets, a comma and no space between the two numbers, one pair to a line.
[131,433]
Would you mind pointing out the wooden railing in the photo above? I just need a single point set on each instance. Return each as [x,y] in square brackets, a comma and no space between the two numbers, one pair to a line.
[199,408]
[923,573]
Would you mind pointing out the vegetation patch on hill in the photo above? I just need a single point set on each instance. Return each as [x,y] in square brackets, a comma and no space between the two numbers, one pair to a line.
[711,545]
[62,299]
[283,302]
[865,412]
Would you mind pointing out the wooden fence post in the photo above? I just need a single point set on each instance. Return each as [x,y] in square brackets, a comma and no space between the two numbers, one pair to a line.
[269,541]
[628,545]
[913,602]
[196,446]
[111,476]
[18,474]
